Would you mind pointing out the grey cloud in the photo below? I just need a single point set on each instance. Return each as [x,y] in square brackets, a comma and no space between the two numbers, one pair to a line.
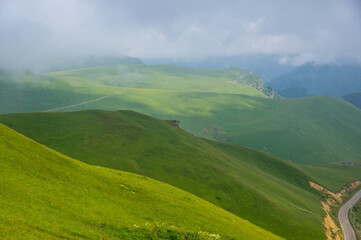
[46,31]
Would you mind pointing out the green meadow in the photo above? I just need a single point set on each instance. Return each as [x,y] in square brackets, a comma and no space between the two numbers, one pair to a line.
[269,192]
[167,77]
[46,195]
[221,110]
[315,130]
[219,104]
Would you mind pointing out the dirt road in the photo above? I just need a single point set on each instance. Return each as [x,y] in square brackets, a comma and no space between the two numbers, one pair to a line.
[343,217]
[78,104]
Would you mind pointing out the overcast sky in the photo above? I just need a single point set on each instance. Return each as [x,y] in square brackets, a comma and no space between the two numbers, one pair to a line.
[40,31]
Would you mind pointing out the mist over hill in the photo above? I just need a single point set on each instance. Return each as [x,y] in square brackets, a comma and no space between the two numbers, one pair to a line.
[319,79]
[266,66]
[353,98]
[221,100]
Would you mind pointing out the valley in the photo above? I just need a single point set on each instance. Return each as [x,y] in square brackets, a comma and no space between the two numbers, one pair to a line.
[312,135]
[180,120]
[235,112]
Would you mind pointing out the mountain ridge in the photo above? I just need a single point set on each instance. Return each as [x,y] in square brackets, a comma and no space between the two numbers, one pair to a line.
[319,79]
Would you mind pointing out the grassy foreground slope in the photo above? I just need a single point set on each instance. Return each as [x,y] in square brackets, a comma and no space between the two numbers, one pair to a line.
[265,190]
[46,195]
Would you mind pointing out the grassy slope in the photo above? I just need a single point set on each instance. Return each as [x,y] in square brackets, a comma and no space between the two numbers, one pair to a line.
[28,92]
[314,130]
[166,77]
[332,176]
[267,191]
[46,195]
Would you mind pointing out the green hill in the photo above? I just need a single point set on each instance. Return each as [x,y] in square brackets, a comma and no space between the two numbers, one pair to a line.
[29,92]
[354,99]
[265,190]
[314,130]
[169,77]
[46,195]
[216,104]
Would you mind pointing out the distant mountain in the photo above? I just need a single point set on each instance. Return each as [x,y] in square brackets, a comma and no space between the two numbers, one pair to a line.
[313,79]
[354,99]
[215,104]
[265,66]
[94,61]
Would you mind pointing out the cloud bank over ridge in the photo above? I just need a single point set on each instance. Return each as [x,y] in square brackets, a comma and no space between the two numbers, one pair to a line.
[46,31]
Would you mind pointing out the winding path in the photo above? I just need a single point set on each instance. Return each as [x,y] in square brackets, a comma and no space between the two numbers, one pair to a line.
[343,217]
[78,104]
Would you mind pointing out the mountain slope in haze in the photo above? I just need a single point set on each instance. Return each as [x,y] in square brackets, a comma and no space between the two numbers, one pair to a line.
[265,190]
[29,92]
[93,61]
[314,79]
[46,195]
[315,130]
[266,66]
[354,99]
[171,77]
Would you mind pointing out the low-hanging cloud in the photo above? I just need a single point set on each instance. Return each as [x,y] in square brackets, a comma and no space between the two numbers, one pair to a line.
[47,31]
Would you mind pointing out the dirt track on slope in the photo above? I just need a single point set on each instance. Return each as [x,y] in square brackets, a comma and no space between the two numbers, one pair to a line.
[78,104]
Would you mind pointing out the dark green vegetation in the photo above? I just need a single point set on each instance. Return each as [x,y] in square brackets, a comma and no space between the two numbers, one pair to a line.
[46,195]
[268,191]
[313,79]
[216,104]
[355,218]
[354,99]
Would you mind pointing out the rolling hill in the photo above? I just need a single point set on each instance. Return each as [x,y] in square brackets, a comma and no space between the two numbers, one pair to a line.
[228,105]
[319,79]
[316,130]
[46,195]
[169,77]
[269,192]
[29,92]
[266,66]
